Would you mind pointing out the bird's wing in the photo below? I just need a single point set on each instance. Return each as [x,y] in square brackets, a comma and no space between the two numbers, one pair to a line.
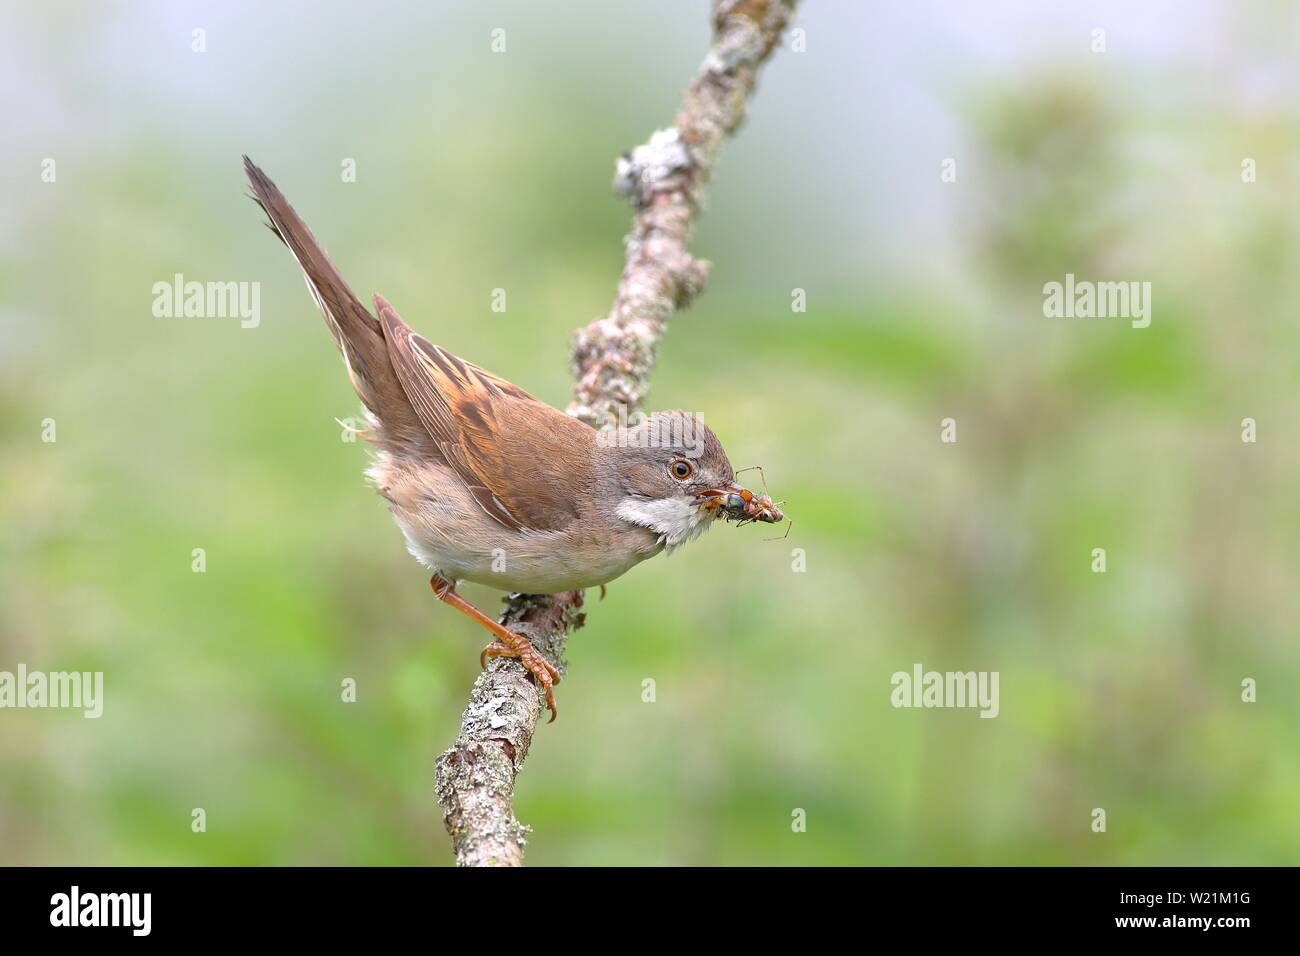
[527,464]
[355,330]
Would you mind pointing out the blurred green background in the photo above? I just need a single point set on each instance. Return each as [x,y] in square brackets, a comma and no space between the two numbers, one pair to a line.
[478,171]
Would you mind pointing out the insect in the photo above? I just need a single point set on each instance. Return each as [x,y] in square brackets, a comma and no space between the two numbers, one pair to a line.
[744,506]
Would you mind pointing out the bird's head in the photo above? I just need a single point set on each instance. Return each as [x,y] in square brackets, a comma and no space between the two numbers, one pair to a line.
[670,474]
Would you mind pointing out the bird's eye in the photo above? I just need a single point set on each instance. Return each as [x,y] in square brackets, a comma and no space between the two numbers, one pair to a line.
[682,469]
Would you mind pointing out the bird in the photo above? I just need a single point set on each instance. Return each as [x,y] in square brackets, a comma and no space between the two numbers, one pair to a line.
[491,485]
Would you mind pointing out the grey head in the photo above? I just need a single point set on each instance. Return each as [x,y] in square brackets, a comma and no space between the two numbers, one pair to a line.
[668,474]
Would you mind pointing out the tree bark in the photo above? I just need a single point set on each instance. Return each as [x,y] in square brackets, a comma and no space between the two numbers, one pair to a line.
[612,359]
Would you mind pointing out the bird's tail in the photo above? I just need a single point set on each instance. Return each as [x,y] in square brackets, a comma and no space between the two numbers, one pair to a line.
[358,334]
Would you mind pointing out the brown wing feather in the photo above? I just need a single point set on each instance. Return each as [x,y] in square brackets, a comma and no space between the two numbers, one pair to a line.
[527,465]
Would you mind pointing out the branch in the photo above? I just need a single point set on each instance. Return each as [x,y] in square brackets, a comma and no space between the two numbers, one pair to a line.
[663,179]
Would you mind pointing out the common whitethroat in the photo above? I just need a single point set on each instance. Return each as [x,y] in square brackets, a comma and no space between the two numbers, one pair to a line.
[490,485]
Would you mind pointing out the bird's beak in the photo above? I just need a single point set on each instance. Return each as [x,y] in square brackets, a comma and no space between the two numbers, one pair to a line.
[738,503]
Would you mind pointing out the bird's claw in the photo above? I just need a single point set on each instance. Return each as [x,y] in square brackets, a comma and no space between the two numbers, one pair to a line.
[544,674]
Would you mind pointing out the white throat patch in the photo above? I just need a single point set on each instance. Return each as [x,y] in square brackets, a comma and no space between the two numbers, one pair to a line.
[675,520]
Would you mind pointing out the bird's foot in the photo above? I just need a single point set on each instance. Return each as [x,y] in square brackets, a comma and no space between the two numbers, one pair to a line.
[521,649]
[507,644]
